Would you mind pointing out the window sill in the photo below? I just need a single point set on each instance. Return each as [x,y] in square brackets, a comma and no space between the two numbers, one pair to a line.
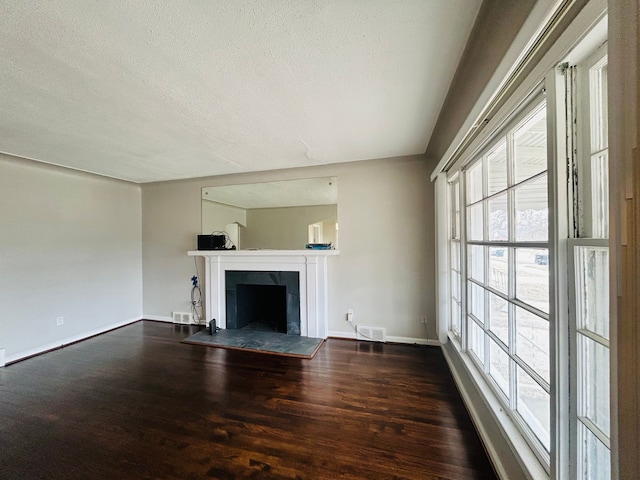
[527,460]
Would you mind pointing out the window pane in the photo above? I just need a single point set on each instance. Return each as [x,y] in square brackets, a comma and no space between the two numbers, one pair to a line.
[498,218]
[532,217]
[598,104]
[499,268]
[499,317]
[594,458]
[497,169]
[532,341]
[592,289]
[531,147]
[476,263]
[456,196]
[593,380]
[455,210]
[455,256]
[476,302]
[476,340]
[533,406]
[600,195]
[532,277]
[499,366]
[474,183]
[476,223]
[455,318]
[455,285]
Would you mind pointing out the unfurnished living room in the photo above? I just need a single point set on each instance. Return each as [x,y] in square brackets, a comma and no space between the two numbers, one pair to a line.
[320,239]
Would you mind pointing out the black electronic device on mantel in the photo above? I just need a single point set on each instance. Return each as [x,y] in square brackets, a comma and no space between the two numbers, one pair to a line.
[212,242]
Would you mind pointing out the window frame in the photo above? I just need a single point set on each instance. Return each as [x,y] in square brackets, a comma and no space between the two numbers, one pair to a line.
[527,110]
[582,235]
[454,238]
[583,36]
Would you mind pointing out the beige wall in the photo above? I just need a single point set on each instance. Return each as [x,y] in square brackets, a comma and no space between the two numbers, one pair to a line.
[70,246]
[216,217]
[385,269]
[330,230]
[496,26]
[284,228]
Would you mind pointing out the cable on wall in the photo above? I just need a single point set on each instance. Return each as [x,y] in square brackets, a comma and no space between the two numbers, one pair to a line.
[196,295]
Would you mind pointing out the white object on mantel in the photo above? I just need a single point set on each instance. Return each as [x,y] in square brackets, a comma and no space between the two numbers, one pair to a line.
[311,265]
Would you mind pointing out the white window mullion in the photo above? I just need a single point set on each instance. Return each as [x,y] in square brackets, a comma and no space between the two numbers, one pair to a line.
[560,149]
[464,256]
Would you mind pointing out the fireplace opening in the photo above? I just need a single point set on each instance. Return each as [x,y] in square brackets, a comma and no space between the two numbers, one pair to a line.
[262,307]
[263,300]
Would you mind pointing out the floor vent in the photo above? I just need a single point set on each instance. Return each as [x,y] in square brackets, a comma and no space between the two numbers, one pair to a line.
[372,334]
[184,318]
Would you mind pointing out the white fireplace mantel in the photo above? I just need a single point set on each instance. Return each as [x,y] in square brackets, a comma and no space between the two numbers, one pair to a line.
[311,265]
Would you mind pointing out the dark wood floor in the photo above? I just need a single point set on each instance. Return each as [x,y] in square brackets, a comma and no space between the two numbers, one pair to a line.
[137,403]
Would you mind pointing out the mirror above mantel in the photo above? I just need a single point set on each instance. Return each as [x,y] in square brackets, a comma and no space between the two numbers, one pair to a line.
[280,215]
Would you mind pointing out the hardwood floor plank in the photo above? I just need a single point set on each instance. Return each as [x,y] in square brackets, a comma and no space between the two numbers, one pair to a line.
[137,403]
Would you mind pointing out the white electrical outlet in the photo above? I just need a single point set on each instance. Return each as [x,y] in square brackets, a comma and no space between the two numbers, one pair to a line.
[424,320]
[349,314]
[59,321]
[1,357]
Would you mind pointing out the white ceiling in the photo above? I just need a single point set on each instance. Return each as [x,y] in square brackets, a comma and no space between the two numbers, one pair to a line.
[162,90]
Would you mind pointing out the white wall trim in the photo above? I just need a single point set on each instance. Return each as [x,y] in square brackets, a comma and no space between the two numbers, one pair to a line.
[413,340]
[443,295]
[389,338]
[66,341]
[159,318]
[345,335]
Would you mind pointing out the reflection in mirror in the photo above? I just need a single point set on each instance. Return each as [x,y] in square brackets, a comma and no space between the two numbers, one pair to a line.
[283,215]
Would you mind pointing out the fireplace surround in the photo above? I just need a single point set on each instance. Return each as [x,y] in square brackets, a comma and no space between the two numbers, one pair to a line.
[310,265]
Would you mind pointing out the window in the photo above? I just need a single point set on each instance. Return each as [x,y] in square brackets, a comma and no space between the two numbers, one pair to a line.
[507,276]
[589,270]
[454,257]
[530,290]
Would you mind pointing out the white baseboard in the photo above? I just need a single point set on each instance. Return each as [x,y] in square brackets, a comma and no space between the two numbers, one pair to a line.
[347,335]
[390,338]
[413,340]
[158,318]
[66,341]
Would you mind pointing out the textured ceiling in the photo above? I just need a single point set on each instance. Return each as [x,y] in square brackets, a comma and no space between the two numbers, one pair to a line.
[150,91]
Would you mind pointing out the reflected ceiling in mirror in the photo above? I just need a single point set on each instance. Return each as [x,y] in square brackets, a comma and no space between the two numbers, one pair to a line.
[280,215]
[286,193]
